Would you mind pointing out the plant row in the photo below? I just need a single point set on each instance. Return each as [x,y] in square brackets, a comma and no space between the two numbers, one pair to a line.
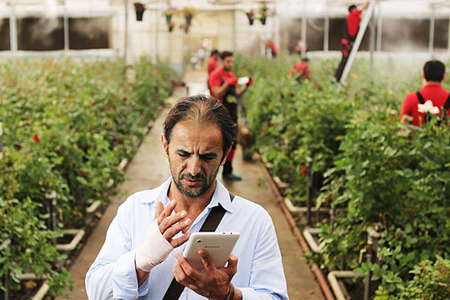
[67,124]
[378,170]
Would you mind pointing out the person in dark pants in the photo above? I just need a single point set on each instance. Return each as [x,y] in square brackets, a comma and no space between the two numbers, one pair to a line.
[346,49]
[223,85]
[353,20]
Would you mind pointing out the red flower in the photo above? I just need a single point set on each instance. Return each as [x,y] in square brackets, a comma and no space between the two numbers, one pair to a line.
[118,140]
[125,97]
[36,138]
[328,200]
[93,104]
[291,95]
[58,150]
[81,173]
[281,95]
[303,170]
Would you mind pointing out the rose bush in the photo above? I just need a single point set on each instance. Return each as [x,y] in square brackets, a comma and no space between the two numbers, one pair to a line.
[378,169]
[67,124]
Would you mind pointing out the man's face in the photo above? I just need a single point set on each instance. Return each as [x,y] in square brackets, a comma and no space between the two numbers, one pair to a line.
[195,155]
[228,63]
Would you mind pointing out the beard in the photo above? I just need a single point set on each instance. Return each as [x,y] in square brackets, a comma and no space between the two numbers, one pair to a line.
[206,183]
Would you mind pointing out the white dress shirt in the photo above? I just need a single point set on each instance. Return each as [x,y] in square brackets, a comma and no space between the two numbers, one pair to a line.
[260,272]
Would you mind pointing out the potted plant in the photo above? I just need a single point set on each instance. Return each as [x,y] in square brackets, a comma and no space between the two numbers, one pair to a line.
[170,25]
[139,8]
[251,16]
[168,13]
[263,13]
[188,13]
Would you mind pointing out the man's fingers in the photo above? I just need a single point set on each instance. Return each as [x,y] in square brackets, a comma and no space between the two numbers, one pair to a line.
[206,260]
[181,240]
[181,276]
[172,221]
[159,209]
[172,230]
[167,211]
[187,268]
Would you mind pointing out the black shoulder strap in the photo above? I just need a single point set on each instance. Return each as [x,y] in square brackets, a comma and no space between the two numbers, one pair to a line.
[446,108]
[447,103]
[419,95]
[212,221]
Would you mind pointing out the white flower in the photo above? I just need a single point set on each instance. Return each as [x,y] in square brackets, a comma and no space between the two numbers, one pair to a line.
[243,80]
[428,108]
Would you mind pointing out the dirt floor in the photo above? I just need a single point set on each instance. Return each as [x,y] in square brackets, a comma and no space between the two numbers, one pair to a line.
[149,169]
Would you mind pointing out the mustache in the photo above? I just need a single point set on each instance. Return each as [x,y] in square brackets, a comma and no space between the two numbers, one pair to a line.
[192,177]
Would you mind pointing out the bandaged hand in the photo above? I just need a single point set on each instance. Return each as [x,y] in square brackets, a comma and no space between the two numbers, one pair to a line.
[159,241]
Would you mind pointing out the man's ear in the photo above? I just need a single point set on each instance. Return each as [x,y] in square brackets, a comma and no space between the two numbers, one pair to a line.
[165,145]
[224,159]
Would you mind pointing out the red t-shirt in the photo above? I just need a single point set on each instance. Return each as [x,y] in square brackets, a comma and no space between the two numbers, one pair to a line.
[431,91]
[217,77]
[272,46]
[302,68]
[353,20]
[212,65]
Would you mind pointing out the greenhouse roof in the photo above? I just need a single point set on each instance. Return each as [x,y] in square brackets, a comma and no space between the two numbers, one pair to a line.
[292,8]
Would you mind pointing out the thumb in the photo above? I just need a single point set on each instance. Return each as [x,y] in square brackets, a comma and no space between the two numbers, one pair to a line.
[232,265]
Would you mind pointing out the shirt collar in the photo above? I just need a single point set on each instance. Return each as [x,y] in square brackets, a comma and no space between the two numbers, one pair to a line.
[221,195]
[433,84]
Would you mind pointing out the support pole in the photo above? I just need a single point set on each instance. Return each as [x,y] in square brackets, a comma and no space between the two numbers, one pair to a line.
[448,39]
[431,41]
[326,35]
[304,28]
[66,29]
[13,30]
[379,29]
[372,46]
[125,40]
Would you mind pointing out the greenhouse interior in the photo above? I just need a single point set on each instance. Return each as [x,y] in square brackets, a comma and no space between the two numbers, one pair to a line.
[225,149]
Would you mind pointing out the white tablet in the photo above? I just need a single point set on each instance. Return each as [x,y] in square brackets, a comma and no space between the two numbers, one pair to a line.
[219,245]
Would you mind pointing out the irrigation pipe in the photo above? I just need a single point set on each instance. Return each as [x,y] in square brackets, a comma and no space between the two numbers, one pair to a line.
[314,268]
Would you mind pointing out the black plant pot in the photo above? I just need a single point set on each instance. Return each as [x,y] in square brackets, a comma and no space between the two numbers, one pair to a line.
[139,15]
[188,20]
[250,21]
[263,20]
[168,19]
[170,28]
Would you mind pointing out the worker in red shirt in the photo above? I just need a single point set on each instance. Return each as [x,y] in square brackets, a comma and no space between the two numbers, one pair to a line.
[212,63]
[433,75]
[353,19]
[223,85]
[272,47]
[301,70]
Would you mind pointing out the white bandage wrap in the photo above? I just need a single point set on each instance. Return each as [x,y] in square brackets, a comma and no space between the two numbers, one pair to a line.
[154,250]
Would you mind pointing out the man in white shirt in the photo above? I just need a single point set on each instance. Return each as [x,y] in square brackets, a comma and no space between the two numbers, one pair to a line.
[144,244]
